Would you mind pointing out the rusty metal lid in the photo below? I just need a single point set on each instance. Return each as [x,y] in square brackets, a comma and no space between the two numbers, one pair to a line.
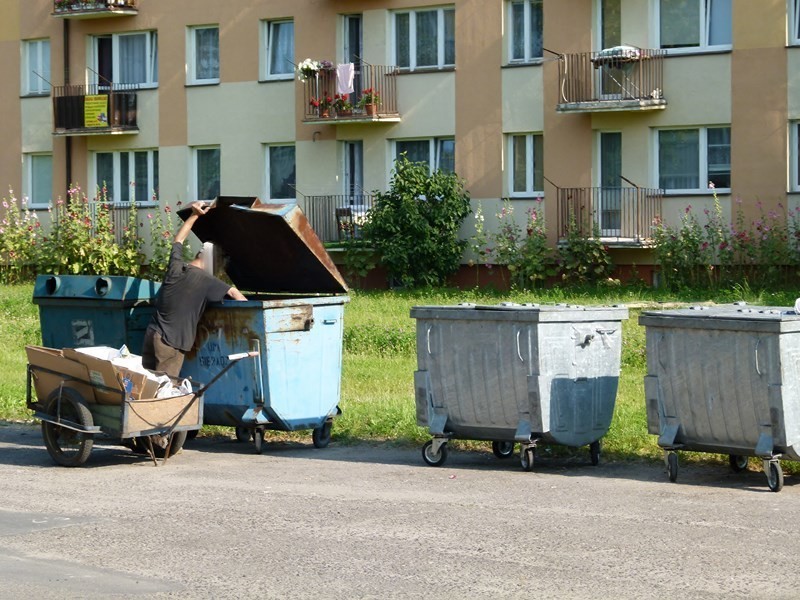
[269,247]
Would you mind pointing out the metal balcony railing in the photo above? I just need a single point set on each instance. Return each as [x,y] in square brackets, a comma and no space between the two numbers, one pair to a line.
[337,218]
[94,109]
[619,78]
[377,80]
[623,214]
[79,9]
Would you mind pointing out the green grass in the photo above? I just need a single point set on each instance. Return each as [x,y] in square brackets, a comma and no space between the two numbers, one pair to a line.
[380,360]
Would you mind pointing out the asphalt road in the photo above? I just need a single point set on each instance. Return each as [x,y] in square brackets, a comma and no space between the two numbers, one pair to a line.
[219,521]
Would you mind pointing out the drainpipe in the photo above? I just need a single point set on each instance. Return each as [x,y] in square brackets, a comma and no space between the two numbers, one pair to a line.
[68,153]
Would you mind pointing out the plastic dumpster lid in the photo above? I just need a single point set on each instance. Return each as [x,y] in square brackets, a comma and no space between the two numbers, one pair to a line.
[270,247]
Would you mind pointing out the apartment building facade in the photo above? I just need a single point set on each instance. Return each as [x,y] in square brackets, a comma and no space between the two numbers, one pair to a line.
[616,111]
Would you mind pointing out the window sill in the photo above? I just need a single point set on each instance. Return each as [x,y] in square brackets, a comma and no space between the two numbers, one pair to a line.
[708,192]
[203,83]
[536,62]
[36,95]
[527,196]
[676,52]
[421,70]
[276,79]
[38,207]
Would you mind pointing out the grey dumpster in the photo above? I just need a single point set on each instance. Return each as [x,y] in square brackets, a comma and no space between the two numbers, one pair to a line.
[724,379]
[516,373]
[88,310]
[293,318]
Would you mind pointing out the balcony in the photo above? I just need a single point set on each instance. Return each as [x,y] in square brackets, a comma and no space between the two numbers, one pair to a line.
[623,217]
[337,218]
[94,9]
[380,79]
[623,78]
[94,110]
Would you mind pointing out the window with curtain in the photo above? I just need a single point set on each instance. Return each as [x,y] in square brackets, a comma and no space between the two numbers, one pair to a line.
[695,24]
[794,155]
[36,67]
[127,176]
[425,38]
[525,18]
[281,172]
[794,22]
[38,181]
[204,60]
[279,37]
[525,159]
[691,159]
[126,59]
[437,153]
[207,173]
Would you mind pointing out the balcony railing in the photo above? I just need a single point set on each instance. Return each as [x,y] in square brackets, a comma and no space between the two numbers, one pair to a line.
[619,78]
[93,109]
[379,79]
[337,218]
[624,215]
[92,9]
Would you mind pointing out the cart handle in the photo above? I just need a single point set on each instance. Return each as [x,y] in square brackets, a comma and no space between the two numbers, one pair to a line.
[233,359]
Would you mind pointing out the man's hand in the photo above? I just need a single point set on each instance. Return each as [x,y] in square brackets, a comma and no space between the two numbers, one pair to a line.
[200,207]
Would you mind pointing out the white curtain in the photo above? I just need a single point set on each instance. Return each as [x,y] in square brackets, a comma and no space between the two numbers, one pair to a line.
[206,50]
[208,183]
[281,47]
[679,159]
[427,38]
[41,179]
[281,172]
[132,59]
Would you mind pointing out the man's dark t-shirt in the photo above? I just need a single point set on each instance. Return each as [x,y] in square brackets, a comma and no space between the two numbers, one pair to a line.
[182,299]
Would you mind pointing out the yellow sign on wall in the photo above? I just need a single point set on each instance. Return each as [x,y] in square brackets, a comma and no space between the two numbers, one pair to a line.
[95,111]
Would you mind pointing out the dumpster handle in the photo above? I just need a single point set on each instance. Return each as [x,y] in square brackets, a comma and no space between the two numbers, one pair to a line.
[519,353]
[428,336]
[758,370]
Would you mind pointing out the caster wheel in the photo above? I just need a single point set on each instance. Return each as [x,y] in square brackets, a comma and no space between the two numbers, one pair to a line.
[321,436]
[437,459]
[775,476]
[526,458]
[244,434]
[503,449]
[594,452]
[258,440]
[737,463]
[672,466]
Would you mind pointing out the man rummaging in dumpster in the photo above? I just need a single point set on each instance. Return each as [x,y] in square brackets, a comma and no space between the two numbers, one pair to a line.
[180,303]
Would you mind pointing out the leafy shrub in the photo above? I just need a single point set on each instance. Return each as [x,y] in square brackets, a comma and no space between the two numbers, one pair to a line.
[19,232]
[414,226]
[582,258]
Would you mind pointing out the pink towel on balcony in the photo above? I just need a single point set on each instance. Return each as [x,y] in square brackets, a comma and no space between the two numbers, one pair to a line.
[344,78]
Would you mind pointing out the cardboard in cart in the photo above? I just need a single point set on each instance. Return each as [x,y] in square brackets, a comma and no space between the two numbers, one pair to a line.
[68,372]
[109,380]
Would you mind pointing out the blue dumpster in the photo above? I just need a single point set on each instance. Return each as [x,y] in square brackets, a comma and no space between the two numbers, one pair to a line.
[88,310]
[292,318]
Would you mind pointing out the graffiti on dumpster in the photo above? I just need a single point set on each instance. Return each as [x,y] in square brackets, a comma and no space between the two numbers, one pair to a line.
[82,332]
[211,355]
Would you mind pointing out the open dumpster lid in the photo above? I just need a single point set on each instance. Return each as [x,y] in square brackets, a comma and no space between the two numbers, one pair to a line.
[270,247]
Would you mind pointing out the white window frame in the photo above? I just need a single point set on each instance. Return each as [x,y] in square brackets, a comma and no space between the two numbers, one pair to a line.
[703,46]
[31,84]
[529,192]
[268,173]
[434,158]
[117,184]
[703,177]
[267,37]
[794,156]
[793,9]
[191,54]
[151,52]
[526,41]
[412,38]
[27,187]
[194,174]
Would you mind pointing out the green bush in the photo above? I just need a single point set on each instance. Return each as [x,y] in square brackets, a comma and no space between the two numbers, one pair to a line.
[584,259]
[414,226]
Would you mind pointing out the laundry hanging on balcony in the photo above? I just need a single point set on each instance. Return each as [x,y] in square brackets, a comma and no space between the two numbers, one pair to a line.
[344,78]
[617,56]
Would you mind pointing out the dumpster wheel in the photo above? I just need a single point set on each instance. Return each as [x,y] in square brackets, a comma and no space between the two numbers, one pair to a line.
[672,466]
[594,452]
[321,436]
[434,459]
[737,462]
[527,458]
[67,447]
[774,473]
[258,440]
[243,434]
[503,449]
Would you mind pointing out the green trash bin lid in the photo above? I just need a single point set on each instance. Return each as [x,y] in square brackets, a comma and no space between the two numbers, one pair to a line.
[270,248]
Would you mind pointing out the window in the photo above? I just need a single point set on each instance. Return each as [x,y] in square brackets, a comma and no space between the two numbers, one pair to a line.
[525,31]
[279,50]
[525,159]
[280,173]
[690,159]
[794,156]
[203,55]
[425,38]
[38,179]
[695,24]
[127,176]
[35,67]
[206,173]
[794,22]
[437,153]
[129,59]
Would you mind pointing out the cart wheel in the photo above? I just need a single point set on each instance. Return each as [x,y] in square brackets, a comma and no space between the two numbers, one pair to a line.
[738,463]
[258,440]
[67,447]
[178,440]
[775,476]
[527,457]
[594,452]
[434,460]
[244,434]
[503,449]
[672,466]
[321,436]
[190,435]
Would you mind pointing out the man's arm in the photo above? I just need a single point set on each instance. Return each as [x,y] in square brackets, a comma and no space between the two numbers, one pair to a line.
[198,208]
[236,294]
